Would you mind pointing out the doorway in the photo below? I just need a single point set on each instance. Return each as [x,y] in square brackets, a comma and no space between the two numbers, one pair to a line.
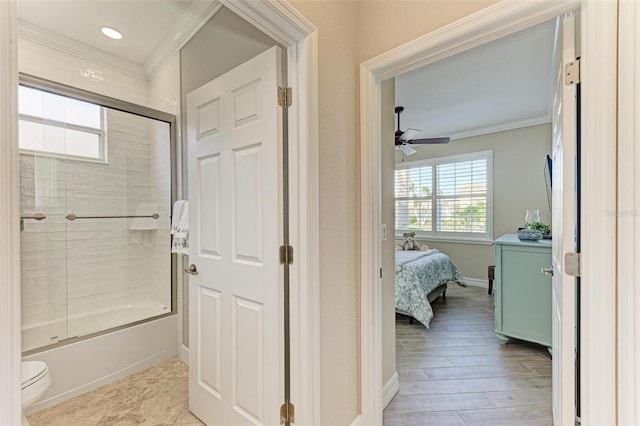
[455,38]
[303,271]
[499,121]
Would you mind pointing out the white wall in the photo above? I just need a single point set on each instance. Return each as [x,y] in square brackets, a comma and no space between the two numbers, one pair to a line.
[338,170]
[73,70]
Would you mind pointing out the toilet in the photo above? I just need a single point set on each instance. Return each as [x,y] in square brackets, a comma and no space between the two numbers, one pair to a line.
[35,382]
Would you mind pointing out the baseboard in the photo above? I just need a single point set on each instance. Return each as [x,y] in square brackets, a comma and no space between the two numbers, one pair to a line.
[474,282]
[184,354]
[390,389]
[357,421]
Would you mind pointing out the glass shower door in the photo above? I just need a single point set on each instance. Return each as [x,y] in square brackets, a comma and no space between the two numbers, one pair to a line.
[43,250]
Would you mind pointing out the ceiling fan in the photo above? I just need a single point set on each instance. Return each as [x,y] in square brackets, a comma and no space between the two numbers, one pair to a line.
[405,139]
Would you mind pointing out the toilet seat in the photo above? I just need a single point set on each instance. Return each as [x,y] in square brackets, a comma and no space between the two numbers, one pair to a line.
[33,371]
[35,380]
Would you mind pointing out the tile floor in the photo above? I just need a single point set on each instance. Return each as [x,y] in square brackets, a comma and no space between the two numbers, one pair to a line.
[456,372]
[156,396]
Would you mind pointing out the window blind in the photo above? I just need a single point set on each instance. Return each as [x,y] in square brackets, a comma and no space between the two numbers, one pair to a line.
[459,207]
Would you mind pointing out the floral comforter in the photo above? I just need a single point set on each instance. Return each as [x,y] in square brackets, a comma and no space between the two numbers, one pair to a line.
[417,274]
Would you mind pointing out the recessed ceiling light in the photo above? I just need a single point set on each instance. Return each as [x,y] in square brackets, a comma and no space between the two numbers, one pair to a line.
[111,32]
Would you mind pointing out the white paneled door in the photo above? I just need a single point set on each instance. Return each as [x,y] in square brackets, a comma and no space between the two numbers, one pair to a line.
[235,357]
[564,191]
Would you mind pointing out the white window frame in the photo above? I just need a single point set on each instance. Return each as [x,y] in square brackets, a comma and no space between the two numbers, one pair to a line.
[461,237]
[101,132]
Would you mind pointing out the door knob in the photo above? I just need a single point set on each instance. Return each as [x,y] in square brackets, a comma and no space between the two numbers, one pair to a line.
[193,270]
[547,271]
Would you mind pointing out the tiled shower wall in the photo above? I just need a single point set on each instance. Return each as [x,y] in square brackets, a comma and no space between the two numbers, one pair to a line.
[84,266]
[160,194]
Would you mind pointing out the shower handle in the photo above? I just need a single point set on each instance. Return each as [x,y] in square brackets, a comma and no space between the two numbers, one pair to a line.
[193,270]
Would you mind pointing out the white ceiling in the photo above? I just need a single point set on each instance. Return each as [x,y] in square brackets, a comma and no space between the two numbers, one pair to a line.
[507,83]
[143,23]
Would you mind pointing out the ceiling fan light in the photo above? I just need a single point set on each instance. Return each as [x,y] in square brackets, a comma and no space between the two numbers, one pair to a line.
[410,134]
[406,149]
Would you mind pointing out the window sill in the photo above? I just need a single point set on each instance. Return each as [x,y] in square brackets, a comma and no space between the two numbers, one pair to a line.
[419,238]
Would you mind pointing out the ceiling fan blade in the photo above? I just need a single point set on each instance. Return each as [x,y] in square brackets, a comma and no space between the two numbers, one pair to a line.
[403,139]
[409,134]
[429,141]
[406,149]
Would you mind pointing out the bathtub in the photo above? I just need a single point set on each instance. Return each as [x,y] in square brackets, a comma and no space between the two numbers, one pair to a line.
[87,364]
[46,333]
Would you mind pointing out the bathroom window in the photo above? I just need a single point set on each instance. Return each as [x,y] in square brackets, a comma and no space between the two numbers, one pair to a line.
[60,126]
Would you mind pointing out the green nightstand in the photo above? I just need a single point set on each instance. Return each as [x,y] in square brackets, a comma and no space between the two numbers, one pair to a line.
[523,293]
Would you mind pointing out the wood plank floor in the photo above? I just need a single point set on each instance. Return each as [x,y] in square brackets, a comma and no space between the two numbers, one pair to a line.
[456,372]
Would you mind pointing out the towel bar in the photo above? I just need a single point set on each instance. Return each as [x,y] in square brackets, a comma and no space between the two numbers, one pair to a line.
[37,216]
[72,216]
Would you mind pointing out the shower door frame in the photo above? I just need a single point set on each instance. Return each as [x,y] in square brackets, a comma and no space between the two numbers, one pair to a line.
[131,108]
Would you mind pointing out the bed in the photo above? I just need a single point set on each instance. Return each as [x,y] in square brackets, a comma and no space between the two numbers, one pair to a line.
[422,276]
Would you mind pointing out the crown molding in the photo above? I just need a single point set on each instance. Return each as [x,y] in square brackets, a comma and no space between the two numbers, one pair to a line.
[184,28]
[80,50]
[501,127]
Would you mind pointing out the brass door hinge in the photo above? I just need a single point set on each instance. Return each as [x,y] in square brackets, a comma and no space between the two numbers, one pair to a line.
[285,96]
[572,264]
[286,255]
[287,413]
[572,73]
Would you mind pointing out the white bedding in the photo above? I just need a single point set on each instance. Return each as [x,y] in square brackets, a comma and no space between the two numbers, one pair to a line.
[403,257]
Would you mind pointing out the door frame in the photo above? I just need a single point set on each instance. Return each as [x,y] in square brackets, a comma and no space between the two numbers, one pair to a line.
[598,330]
[10,354]
[288,27]
[628,213]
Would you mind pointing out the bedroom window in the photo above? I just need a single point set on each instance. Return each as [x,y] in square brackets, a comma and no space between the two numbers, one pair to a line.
[445,198]
[60,126]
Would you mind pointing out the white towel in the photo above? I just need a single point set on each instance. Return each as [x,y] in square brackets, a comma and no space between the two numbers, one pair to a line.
[180,227]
